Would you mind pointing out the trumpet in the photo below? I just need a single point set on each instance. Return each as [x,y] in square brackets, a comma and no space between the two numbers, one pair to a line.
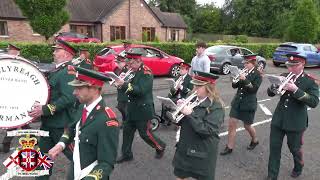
[176,116]
[280,89]
[178,82]
[236,78]
[126,77]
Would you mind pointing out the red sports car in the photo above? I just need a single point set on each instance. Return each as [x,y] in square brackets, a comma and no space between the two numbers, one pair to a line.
[76,38]
[158,61]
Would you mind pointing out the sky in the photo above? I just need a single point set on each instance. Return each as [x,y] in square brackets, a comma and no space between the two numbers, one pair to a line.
[218,3]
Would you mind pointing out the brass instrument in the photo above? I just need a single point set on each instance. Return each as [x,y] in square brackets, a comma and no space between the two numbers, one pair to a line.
[178,83]
[126,77]
[236,78]
[176,116]
[280,89]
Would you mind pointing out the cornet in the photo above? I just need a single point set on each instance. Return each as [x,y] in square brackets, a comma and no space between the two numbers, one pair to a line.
[127,76]
[176,116]
[236,78]
[178,82]
[289,77]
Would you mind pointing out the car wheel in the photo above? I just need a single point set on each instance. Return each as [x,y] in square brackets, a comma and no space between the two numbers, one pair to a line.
[225,68]
[276,64]
[261,65]
[174,72]
[155,123]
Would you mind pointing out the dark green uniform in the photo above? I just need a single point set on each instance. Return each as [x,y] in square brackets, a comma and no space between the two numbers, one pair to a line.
[98,141]
[140,111]
[244,103]
[196,152]
[56,114]
[291,119]
[122,97]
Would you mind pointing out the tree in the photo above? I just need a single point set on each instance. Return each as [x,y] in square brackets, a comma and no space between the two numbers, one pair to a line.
[207,19]
[304,23]
[46,16]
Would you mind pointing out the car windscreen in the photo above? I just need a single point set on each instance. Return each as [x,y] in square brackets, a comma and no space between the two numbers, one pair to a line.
[105,52]
[214,50]
[286,48]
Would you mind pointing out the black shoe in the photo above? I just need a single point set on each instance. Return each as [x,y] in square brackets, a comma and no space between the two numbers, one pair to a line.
[252,145]
[5,147]
[295,174]
[226,151]
[124,159]
[159,154]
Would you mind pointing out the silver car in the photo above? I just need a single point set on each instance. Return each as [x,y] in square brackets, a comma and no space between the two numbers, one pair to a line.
[222,56]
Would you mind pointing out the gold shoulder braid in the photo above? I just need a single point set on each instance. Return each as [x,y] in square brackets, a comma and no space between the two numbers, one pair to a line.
[52,108]
[96,174]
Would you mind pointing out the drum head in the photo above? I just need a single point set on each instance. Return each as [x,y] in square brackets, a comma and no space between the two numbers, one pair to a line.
[22,85]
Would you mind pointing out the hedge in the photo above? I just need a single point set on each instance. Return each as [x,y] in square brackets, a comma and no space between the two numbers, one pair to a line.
[43,52]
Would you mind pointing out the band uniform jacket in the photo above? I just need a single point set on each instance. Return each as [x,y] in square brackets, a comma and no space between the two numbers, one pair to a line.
[246,96]
[291,112]
[99,138]
[55,113]
[198,145]
[140,97]
[186,88]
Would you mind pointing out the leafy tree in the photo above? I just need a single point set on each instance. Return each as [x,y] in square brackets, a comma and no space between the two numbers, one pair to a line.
[304,25]
[207,19]
[46,16]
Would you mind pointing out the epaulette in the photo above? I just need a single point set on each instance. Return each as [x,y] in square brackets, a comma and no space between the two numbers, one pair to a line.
[110,113]
[146,70]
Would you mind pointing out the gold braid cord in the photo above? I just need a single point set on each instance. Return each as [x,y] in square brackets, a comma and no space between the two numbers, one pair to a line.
[52,108]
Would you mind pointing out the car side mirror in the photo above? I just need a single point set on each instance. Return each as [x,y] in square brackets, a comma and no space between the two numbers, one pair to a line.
[160,55]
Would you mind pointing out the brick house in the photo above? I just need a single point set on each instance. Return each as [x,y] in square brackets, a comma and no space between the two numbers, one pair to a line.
[107,20]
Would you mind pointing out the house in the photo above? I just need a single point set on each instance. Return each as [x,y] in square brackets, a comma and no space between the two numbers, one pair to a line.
[107,20]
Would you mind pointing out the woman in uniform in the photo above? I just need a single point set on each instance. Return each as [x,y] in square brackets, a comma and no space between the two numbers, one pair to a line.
[196,152]
[244,104]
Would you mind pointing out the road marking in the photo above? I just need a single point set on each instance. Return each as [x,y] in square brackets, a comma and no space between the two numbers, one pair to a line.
[265,110]
[241,129]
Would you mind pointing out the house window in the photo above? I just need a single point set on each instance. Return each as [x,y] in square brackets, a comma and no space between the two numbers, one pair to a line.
[73,28]
[3,28]
[117,32]
[174,35]
[148,33]
[87,30]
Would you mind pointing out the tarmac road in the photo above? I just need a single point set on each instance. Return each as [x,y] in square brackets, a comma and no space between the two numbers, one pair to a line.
[241,164]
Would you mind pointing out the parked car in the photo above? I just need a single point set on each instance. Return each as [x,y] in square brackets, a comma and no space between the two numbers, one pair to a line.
[222,56]
[76,38]
[158,61]
[308,50]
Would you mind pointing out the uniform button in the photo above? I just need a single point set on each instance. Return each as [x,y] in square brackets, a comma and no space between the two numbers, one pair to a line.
[241,93]
[240,97]
[128,100]
[87,140]
[288,94]
[193,151]
[287,100]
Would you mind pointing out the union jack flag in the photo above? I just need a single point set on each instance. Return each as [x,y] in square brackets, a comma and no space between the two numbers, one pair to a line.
[29,159]
[44,161]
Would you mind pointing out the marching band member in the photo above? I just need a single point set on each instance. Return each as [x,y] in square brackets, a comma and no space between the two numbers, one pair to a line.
[122,98]
[244,104]
[196,152]
[181,87]
[290,117]
[84,56]
[55,115]
[140,109]
[95,132]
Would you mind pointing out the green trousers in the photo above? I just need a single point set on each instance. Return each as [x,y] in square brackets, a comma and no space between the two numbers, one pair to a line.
[294,141]
[144,128]
[46,143]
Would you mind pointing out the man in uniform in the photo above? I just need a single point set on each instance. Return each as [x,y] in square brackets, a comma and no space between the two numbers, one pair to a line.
[140,109]
[290,117]
[95,130]
[55,115]
[122,98]
[83,59]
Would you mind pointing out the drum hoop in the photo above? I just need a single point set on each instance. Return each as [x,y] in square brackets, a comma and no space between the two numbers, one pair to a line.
[6,56]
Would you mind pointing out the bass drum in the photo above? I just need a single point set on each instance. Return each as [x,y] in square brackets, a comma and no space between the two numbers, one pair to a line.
[22,85]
